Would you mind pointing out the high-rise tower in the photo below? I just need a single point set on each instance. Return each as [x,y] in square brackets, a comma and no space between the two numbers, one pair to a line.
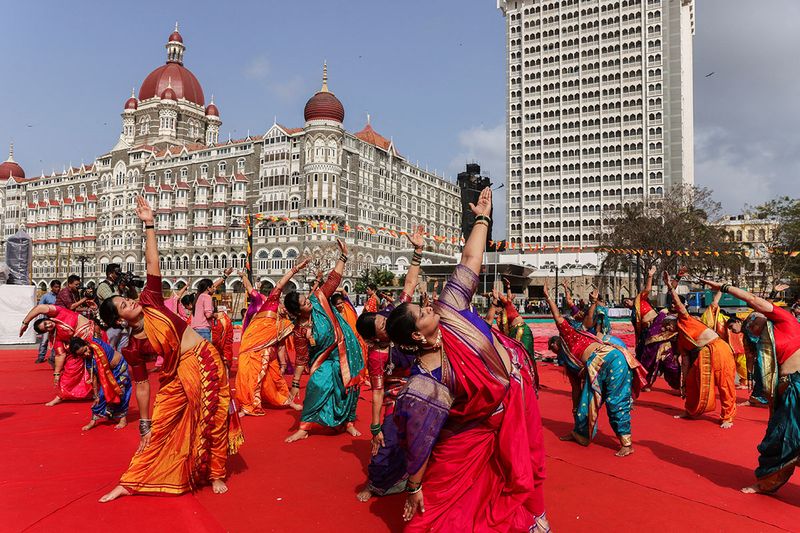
[599,112]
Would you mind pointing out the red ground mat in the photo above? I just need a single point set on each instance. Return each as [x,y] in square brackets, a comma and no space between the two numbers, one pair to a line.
[684,476]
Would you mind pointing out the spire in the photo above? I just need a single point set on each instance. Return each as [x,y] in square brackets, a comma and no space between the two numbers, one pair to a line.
[368,119]
[324,77]
[133,92]
[212,99]
[10,153]
[176,25]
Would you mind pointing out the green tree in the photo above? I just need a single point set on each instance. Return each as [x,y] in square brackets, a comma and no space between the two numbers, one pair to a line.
[785,211]
[683,220]
[378,276]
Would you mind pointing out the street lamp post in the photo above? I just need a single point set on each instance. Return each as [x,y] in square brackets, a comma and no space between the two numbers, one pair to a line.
[82,258]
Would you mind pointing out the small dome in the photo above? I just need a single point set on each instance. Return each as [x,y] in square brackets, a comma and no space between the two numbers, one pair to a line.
[175,37]
[169,94]
[324,105]
[131,103]
[212,110]
[10,168]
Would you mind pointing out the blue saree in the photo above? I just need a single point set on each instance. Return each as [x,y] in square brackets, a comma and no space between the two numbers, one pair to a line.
[336,367]
[102,408]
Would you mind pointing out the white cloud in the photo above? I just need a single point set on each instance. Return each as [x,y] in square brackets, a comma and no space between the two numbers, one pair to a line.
[487,147]
[258,68]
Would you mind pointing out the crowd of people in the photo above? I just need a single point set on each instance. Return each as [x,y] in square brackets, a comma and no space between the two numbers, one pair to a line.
[455,420]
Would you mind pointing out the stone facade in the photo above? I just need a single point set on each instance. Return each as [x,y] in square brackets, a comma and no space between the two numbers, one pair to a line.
[202,190]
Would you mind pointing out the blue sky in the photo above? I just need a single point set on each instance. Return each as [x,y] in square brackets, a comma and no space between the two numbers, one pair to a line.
[430,73]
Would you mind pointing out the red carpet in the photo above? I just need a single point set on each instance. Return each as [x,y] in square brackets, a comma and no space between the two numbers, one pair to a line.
[684,476]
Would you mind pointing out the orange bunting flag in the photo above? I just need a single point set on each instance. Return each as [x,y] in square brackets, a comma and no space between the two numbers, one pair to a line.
[347,228]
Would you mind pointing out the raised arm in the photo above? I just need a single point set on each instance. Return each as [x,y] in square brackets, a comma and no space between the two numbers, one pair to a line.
[490,314]
[717,298]
[412,276]
[553,307]
[754,302]
[648,286]
[472,254]
[145,214]
[329,287]
[588,320]
[672,286]
[248,287]
[41,309]
[291,273]
[509,294]
[220,281]
[568,296]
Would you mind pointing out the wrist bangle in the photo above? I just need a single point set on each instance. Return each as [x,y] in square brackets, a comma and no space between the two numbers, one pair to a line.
[483,218]
[343,258]
[725,288]
[145,425]
[413,490]
[149,226]
[481,223]
[375,429]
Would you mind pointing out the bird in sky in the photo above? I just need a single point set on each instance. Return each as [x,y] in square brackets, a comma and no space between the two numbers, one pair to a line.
[709,75]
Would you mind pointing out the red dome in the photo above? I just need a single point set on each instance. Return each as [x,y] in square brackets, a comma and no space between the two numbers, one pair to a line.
[183,82]
[10,169]
[212,110]
[169,94]
[175,36]
[324,106]
[131,103]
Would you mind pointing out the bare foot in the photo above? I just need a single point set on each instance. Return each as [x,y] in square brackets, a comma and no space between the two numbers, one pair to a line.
[218,486]
[90,425]
[742,387]
[726,425]
[567,437]
[118,492]
[298,435]
[753,489]
[745,403]
[624,451]
[242,414]
[684,415]
[352,430]
[646,389]
[54,401]
[294,405]
[364,495]
[122,423]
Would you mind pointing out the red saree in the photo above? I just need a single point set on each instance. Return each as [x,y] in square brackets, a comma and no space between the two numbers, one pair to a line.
[485,471]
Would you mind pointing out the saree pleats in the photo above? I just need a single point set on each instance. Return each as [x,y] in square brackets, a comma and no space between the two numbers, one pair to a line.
[189,439]
[714,368]
[337,364]
[258,379]
[656,354]
[608,381]
[75,382]
[780,449]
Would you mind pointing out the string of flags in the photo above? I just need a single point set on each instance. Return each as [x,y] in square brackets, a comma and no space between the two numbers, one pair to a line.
[333,227]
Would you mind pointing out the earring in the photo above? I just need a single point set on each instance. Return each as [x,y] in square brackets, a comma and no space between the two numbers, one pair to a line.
[123,324]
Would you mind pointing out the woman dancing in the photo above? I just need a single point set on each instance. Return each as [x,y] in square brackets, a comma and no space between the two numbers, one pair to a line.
[600,373]
[70,375]
[110,380]
[707,363]
[653,340]
[186,442]
[324,339]
[776,334]
[259,379]
[469,417]
[389,369]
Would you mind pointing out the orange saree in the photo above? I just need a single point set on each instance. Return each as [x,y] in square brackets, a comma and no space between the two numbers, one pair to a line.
[189,440]
[259,378]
